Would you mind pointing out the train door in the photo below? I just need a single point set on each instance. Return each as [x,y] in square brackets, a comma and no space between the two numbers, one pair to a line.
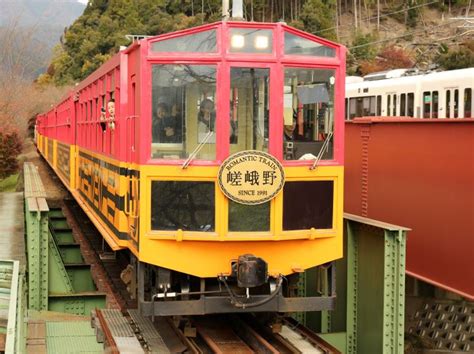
[132,174]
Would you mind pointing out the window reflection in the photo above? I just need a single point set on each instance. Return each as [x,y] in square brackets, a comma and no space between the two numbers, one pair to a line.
[296,45]
[308,205]
[249,217]
[202,42]
[183,116]
[189,206]
[308,116]
[249,109]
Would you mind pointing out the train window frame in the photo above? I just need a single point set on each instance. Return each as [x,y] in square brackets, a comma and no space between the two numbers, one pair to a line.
[270,90]
[448,103]
[403,102]
[183,34]
[304,36]
[389,111]
[318,45]
[427,105]
[320,184]
[268,57]
[217,65]
[456,103]
[435,104]
[311,233]
[411,104]
[336,106]
[180,235]
[261,40]
[468,102]
[379,106]
[394,106]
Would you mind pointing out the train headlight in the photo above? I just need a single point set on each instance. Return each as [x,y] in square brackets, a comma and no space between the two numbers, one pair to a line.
[237,41]
[251,271]
[261,42]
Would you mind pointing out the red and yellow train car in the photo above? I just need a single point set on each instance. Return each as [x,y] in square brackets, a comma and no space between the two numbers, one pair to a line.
[215,155]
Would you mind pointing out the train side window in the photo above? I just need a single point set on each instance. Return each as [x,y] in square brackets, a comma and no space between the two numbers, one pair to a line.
[368,106]
[434,112]
[308,205]
[448,104]
[352,108]
[245,218]
[308,116]
[394,107]
[468,103]
[388,105]
[403,104]
[426,104]
[189,206]
[411,104]
[347,108]
[456,103]
[183,111]
[249,109]
[379,106]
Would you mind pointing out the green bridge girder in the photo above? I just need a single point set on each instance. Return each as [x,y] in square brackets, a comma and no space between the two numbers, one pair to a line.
[370,304]
[58,278]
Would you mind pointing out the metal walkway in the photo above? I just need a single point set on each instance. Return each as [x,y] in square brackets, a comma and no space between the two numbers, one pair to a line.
[12,241]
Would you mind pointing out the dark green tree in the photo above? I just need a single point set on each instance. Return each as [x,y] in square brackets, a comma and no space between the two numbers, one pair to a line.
[318,17]
[458,59]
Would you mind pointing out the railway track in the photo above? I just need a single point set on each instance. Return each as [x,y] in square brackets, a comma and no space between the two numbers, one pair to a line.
[194,334]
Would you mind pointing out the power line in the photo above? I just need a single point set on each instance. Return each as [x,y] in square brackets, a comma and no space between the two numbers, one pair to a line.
[402,36]
[384,15]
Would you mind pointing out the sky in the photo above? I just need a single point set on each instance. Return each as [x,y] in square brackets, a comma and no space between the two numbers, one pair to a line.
[83,1]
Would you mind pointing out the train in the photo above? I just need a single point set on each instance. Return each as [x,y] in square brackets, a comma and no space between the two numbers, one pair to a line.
[409,93]
[213,156]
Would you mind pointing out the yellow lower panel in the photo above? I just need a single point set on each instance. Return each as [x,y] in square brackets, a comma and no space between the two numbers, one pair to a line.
[208,259]
[209,254]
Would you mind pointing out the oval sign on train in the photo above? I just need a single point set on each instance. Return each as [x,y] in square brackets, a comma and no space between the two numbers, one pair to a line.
[251,177]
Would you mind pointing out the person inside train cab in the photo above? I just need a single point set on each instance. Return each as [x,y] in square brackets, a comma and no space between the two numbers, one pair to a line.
[164,128]
[177,122]
[289,131]
[206,121]
[289,135]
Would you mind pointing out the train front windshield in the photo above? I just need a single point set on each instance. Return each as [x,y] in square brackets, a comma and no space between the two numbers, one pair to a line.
[184,111]
[308,118]
[188,121]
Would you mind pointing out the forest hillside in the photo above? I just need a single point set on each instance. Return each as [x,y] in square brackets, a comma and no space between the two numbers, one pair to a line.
[379,35]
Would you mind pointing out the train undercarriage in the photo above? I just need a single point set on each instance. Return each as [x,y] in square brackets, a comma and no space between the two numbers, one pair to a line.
[248,288]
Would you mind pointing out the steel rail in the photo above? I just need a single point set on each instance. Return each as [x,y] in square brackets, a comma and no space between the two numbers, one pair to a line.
[109,339]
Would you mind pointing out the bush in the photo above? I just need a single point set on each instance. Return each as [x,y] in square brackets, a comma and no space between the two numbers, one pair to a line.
[457,59]
[10,148]
[389,58]
[362,49]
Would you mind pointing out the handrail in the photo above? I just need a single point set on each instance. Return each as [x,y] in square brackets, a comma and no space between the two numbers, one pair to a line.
[196,150]
[321,152]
